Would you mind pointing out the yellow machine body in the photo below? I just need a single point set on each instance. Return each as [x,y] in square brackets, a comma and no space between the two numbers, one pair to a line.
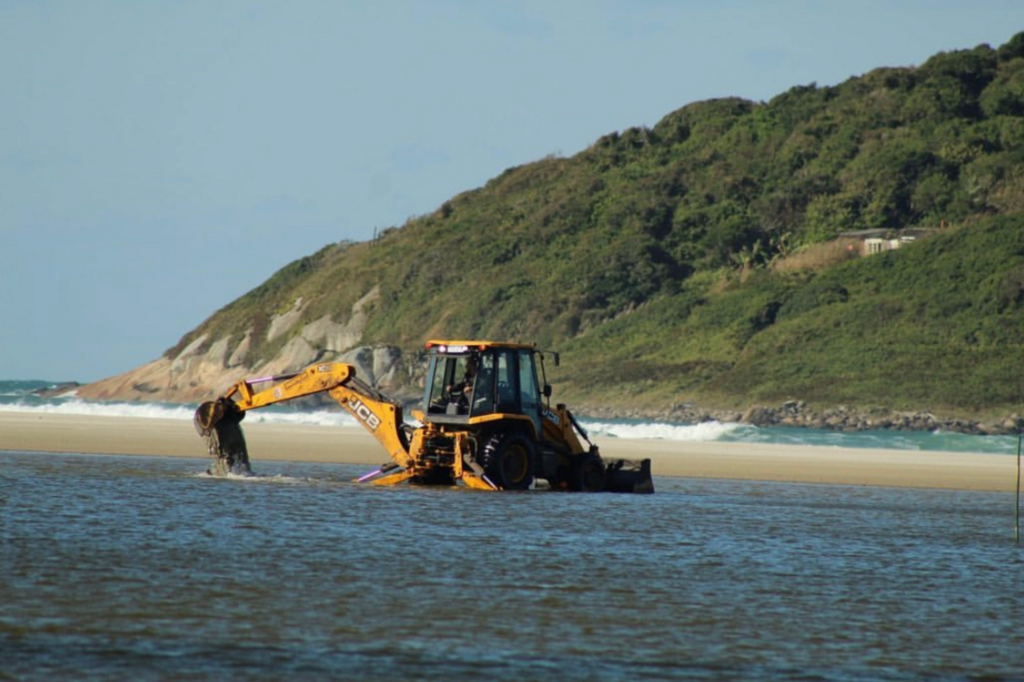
[484,423]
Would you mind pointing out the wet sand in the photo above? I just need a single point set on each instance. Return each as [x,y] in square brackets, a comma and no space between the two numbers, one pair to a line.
[352,445]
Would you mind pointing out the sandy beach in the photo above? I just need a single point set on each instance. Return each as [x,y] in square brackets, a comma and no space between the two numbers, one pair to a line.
[26,431]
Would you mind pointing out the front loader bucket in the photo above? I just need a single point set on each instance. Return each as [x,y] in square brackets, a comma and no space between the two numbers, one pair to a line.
[219,423]
[629,476]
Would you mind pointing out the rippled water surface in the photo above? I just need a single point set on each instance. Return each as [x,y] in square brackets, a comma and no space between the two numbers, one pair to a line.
[142,568]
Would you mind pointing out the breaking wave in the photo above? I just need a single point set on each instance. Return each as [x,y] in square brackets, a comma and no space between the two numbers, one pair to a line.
[270,415]
[705,431]
[23,396]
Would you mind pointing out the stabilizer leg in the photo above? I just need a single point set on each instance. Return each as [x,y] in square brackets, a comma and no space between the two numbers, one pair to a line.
[397,477]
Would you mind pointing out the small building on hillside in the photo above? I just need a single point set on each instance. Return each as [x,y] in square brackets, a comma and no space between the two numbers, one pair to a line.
[879,240]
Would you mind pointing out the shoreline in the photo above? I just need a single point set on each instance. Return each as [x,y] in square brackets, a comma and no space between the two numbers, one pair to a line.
[792,413]
[141,436]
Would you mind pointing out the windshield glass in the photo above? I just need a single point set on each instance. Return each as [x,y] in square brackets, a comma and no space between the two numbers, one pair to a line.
[451,383]
[483,391]
[529,391]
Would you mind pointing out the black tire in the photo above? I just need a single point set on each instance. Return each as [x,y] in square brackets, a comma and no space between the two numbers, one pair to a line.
[587,474]
[508,460]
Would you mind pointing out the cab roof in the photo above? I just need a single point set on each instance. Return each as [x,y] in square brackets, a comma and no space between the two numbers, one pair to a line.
[463,346]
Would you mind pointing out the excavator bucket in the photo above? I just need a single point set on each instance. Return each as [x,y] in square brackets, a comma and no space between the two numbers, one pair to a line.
[219,422]
[629,476]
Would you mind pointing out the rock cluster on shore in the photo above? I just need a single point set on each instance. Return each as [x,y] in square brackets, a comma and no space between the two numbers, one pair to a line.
[798,413]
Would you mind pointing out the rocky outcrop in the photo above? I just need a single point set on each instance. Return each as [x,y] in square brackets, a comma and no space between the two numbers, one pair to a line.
[207,366]
[797,413]
[842,418]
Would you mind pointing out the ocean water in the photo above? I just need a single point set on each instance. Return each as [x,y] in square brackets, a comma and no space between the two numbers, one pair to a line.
[19,396]
[144,568]
[117,568]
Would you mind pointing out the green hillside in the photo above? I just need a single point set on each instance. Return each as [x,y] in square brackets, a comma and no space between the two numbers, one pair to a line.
[690,261]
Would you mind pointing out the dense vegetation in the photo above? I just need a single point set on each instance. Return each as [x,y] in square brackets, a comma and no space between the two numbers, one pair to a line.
[678,263]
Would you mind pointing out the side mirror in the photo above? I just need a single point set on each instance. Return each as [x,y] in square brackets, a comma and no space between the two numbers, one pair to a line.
[547,390]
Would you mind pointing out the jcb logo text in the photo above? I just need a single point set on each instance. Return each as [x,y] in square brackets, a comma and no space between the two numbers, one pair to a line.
[363,412]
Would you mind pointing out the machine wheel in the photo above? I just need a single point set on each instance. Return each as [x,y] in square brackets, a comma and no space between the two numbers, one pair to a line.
[508,460]
[587,474]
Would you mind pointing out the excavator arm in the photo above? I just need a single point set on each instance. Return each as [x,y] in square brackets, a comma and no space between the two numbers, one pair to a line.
[218,421]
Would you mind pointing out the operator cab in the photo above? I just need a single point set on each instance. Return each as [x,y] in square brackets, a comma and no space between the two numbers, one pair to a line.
[473,379]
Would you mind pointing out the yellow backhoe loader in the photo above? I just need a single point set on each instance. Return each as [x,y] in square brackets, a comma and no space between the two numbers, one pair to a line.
[486,422]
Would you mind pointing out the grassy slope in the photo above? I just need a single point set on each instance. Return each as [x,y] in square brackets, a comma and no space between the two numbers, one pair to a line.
[937,325]
[629,255]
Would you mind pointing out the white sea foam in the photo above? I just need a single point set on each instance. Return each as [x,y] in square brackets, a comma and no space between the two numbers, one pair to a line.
[86,408]
[75,406]
[705,431]
[279,479]
[317,418]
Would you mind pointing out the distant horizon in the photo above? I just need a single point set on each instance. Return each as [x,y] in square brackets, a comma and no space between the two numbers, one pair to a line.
[45,382]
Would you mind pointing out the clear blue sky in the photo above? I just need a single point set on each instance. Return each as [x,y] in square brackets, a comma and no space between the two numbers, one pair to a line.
[160,159]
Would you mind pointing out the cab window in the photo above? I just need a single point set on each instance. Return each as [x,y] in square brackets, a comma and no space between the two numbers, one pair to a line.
[450,383]
[529,390]
[482,394]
